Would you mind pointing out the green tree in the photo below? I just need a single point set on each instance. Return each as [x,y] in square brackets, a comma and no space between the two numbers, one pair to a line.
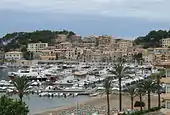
[149,85]
[138,58]
[9,106]
[121,72]
[131,90]
[157,77]
[28,55]
[20,39]
[140,91]
[107,90]
[21,85]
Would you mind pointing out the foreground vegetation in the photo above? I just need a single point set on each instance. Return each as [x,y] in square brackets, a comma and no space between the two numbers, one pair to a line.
[9,106]
[136,88]
[21,85]
[145,111]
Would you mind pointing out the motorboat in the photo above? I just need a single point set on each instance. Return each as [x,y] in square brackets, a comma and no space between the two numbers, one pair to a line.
[3,67]
[94,94]
[25,72]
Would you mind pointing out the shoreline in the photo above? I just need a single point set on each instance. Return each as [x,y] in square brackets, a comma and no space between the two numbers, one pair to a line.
[99,102]
[70,106]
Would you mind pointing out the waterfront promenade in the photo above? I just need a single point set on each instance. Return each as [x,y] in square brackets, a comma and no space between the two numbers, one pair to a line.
[97,104]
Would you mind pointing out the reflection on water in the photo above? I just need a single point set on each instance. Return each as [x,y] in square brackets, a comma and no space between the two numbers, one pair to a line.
[4,73]
[37,104]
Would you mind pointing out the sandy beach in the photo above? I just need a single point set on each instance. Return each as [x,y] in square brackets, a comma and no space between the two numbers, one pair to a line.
[98,102]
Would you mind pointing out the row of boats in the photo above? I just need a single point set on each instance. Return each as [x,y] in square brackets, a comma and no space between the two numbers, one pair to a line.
[87,77]
[46,94]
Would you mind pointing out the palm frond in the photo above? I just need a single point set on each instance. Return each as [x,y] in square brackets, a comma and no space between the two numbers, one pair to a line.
[107,85]
[21,85]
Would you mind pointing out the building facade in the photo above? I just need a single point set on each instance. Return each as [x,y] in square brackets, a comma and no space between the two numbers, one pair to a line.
[166,42]
[36,47]
[15,55]
[166,81]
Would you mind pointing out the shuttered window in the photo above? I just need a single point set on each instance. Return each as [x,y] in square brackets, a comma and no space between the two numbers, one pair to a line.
[168,90]
[168,73]
[168,105]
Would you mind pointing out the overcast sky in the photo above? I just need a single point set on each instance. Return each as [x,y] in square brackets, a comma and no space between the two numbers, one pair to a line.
[119,18]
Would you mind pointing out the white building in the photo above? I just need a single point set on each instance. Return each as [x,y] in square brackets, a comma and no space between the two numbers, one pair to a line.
[35,47]
[166,42]
[15,55]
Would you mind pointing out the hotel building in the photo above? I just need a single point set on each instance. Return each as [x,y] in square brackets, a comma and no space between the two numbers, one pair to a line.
[36,47]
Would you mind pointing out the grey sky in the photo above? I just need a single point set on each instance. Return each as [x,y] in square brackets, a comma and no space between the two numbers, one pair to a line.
[127,18]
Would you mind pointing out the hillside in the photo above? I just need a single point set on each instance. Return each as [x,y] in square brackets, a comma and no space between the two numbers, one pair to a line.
[152,39]
[19,40]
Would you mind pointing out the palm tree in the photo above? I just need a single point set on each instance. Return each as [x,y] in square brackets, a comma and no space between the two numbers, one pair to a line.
[107,89]
[121,72]
[158,76]
[138,58]
[21,85]
[149,85]
[131,90]
[140,91]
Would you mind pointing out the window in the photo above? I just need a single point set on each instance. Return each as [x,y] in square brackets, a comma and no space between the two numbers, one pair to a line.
[168,73]
[168,105]
[168,90]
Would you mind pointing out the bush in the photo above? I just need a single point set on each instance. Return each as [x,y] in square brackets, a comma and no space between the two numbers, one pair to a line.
[154,109]
[10,106]
[145,111]
[139,104]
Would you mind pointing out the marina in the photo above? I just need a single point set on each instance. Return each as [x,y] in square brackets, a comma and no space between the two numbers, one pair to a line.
[66,83]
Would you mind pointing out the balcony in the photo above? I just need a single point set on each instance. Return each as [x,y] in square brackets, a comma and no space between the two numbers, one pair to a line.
[165,80]
[166,96]
[165,64]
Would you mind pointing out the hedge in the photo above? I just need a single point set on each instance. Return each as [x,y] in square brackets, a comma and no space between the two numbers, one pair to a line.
[145,111]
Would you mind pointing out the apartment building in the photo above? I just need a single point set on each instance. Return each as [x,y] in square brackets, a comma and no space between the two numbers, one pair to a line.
[61,38]
[89,42]
[65,45]
[125,43]
[36,47]
[15,55]
[166,42]
[159,50]
[166,80]
[103,40]
[156,54]
[74,53]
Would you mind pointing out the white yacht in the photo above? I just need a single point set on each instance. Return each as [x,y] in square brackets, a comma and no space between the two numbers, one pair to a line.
[3,66]
[31,72]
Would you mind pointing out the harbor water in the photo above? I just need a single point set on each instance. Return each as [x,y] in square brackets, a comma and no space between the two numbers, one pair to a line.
[38,104]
